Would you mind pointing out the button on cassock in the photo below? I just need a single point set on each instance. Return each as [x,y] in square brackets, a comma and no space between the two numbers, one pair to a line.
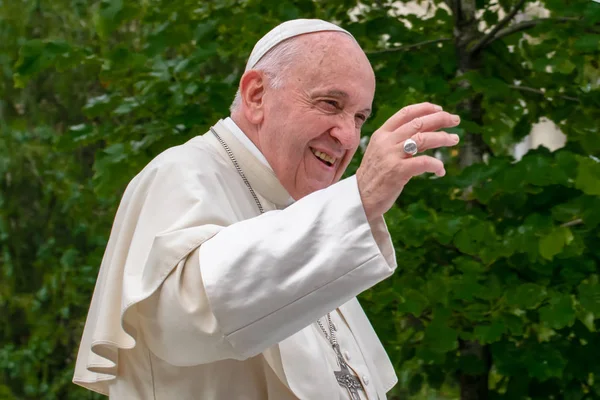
[365,379]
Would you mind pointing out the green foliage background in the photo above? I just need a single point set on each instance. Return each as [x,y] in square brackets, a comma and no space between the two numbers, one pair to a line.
[498,279]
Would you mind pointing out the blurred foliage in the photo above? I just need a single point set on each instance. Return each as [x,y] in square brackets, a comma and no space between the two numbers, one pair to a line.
[499,253]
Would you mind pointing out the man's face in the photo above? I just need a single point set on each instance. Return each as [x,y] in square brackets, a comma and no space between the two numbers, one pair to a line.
[311,126]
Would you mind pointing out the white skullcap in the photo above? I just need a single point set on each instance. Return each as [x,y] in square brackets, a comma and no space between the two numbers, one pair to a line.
[287,30]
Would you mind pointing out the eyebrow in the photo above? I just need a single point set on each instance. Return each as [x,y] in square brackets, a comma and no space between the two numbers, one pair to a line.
[338,93]
[344,95]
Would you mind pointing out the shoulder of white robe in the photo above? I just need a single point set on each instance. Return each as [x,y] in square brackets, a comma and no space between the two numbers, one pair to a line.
[146,243]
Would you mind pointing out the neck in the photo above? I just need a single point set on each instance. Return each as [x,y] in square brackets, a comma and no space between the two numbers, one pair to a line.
[249,129]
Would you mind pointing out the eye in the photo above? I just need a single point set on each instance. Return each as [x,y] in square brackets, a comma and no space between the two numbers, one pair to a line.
[332,104]
[360,119]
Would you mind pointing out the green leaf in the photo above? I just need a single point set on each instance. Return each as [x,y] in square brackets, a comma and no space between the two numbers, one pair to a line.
[588,176]
[98,105]
[559,313]
[588,42]
[544,362]
[466,287]
[589,296]
[489,333]
[491,86]
[435,376]
[413,302]
[439,337]
[568,211]
[591,211]
[507,358]
[553,243]
[37,55]
[127,105]
[468,265]
[203,29]
[586,319]
[111,14]
[514,324]
[526,296]
[564,66]
[470,126]
[475,236]
[446,228]
[415,384]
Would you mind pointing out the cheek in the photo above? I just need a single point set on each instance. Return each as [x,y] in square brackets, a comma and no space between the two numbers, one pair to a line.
[346,162]
[289,151]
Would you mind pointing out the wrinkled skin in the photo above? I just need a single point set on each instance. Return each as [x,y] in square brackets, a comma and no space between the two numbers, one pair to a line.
[326,95]
[324,100]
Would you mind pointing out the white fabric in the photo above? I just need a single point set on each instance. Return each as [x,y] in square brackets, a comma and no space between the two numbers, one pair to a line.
[287,30]
[241,136]
[351,353]
[350,349]
[248,144]
[199,297]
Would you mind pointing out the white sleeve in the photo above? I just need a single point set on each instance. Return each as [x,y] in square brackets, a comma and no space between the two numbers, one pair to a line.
[270,276]
[259,281]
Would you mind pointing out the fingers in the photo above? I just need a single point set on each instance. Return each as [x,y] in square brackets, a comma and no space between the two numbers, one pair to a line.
[419,165]
[433,140]
[408,113]
[426,123]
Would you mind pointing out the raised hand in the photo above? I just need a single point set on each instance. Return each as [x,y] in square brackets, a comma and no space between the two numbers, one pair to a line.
[386,168]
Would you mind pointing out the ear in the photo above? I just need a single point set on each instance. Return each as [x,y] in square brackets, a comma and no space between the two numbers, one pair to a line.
[252,90]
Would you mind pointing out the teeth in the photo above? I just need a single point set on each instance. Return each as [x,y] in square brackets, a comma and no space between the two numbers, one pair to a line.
[323,156]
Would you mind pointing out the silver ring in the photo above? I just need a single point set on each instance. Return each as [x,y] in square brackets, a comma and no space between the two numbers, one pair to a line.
[410,147]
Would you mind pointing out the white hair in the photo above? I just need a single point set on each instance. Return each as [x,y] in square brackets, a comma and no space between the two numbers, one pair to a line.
[274,64]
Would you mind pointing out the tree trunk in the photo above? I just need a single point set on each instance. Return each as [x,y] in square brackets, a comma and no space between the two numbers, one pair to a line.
[465,34]
[472,387]
[475,387]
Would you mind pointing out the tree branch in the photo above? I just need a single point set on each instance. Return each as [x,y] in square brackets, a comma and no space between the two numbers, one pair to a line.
[538,91]
[522,26]
[575,222]
[408,46]
[501,24]
[449,4]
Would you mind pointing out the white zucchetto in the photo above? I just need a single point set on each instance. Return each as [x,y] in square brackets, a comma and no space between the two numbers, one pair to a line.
[287,30]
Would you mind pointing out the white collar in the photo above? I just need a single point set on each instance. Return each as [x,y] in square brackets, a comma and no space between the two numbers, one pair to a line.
[241,136]
[249,145]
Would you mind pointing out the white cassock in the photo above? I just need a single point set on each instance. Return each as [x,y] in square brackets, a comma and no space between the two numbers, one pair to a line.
[200,297]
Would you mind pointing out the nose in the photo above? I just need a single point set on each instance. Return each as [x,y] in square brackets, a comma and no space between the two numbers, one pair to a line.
[346,133]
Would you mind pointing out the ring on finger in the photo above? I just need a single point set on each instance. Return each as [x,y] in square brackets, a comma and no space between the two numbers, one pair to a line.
[410,147]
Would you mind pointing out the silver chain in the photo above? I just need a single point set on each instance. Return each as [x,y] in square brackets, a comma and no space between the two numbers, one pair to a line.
[329,336]
[239,170]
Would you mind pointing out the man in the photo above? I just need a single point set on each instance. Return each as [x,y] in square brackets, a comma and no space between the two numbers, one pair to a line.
[234,260]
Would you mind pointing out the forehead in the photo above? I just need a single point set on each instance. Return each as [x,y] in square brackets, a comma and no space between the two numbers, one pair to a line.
[334,62]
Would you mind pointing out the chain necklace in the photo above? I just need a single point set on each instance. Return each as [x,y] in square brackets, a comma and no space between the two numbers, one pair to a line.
[345,377]
[239,170]
[331,336]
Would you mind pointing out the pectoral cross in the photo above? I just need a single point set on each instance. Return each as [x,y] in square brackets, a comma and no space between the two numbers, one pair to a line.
[345,377]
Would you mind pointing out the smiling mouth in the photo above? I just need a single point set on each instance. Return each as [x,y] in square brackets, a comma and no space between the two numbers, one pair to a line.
[324,158]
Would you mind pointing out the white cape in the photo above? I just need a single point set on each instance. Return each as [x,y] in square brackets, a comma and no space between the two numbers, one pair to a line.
[185,208]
